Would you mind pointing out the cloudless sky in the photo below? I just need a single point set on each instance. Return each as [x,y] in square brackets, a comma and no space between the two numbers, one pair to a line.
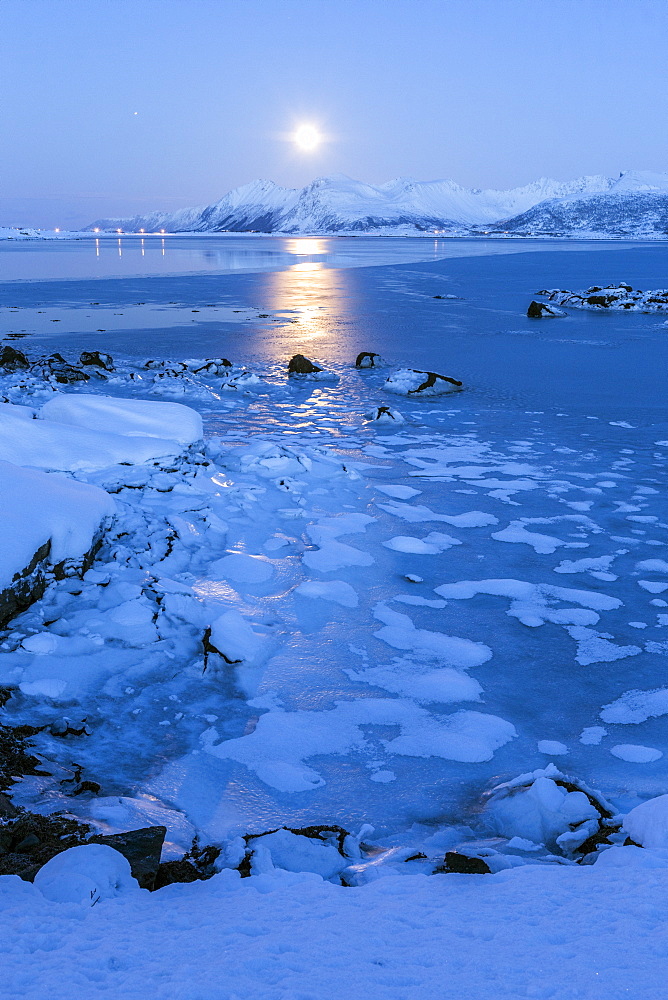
[112,107]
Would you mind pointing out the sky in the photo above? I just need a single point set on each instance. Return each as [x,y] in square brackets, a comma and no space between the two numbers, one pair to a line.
[116,107]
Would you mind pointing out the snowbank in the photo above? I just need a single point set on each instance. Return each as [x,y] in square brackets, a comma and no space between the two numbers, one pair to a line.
[39,510]
[127,417]
[45,444]
[535,931]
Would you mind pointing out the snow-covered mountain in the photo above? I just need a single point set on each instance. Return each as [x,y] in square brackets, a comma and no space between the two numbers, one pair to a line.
[635,203]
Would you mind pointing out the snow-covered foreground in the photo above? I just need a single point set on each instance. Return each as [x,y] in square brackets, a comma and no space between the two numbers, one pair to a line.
[567,933]
[314,616]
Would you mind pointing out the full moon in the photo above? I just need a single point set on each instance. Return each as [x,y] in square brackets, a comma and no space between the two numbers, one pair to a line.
[307,138]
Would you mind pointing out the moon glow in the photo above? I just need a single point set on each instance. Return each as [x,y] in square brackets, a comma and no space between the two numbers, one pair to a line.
[307,138]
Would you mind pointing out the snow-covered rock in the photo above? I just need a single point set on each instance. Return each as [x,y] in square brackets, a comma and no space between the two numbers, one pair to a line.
[612,297]
[86,874]
[547,807]
[127,417]
[412,381]
[44,520]
[541,310]
[647,824]
[50,445]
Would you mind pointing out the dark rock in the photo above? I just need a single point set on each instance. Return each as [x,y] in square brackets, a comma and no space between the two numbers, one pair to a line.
[177,871]
[66,727]
[142,849]
[12,360]
[216,366]
[7,808]
[29,841]
[367,359]
[27,844]
[98,359]
[299,365]
[463,863]
[87,786]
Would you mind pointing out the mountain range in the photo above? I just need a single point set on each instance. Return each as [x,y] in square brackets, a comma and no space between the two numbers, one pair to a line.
[634,204]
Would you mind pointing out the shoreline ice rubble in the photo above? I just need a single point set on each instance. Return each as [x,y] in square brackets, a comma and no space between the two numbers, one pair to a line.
[199,540]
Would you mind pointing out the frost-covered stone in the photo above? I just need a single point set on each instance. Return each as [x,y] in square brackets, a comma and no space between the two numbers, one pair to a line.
[367,359]
[620,297]
[45,520]
[411,381]
[550,808]
[385,415]
[540,310]
[647,824]
[86,874]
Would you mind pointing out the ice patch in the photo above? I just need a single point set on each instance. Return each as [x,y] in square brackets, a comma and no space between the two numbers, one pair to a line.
[635,753]
[595,647]
[432,544]
[282,741]
[636,706]
[332,590]
[532,603]
[400,633]
[552,747]
[242,568]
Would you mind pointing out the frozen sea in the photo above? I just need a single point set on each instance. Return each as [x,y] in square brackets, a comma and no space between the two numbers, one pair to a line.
[530,507]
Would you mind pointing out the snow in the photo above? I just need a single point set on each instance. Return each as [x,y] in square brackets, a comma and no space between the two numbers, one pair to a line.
[36,508]
[401,206]
[384,939]
[647,824]
[129,417]
[50,445]
[635,753]
[86,875]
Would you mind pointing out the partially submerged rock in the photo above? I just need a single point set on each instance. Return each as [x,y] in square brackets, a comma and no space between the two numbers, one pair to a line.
[620,297]
[414,381]
[540,310]
[12,360]
[546,807]
[97,359]
[299,365]
[367,359]
[326,850]
[385,415]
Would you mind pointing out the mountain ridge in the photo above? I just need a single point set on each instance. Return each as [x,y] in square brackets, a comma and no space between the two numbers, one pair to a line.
[633,204]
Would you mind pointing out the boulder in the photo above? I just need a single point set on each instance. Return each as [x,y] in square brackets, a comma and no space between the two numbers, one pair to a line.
[217,366]
[368,360]
[97,359]
[540,310]
[550,808]
[142,848]
[465,864]
[12,360]
[414,381]
[326,850]
[647,824]
[299,365]
[385,415]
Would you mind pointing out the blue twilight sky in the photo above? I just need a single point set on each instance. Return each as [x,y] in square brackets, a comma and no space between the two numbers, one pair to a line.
[111,107]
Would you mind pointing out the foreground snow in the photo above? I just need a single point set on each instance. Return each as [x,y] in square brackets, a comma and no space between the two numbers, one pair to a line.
[563,933]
